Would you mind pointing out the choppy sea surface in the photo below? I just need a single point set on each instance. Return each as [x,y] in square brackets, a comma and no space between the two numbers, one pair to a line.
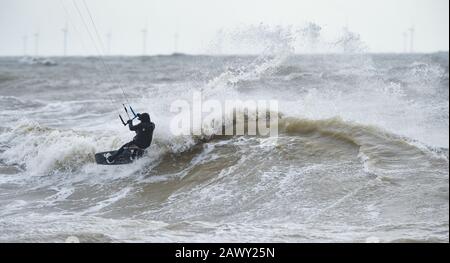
[362,151]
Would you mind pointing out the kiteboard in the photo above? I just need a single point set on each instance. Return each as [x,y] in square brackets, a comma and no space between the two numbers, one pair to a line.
[129,155]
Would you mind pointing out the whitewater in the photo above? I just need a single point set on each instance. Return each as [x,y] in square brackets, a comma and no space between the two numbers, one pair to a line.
[361,155]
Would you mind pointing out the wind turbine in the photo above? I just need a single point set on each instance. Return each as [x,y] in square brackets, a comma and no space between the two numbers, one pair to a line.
[176,37]
[25,44]
[65,31]
[108,39]
[411,35]
[405,42]
[36,44]
[144,40]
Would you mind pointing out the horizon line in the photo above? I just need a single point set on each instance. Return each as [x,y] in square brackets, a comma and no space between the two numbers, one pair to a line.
[223,55]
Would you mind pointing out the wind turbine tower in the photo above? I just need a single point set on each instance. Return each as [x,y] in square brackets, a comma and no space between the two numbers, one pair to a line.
[411,39]
[36,44]
[25,45]
[405,42]
[175,41]
[65,31]
[108,39]
[144,41]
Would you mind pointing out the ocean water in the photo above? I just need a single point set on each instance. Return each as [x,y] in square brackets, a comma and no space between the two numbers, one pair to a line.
[361,156]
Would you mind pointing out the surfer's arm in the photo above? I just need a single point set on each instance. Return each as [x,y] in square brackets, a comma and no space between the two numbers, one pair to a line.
[133,127]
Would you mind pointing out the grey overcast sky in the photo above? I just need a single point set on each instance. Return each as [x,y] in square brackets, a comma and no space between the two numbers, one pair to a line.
[380,23]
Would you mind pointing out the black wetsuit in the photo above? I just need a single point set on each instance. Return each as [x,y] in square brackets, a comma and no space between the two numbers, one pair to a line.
[144,134]
[143,138]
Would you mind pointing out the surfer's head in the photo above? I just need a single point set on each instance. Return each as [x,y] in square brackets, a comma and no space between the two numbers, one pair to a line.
[144,117]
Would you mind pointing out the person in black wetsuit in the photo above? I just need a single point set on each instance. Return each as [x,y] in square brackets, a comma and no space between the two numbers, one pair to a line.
[143,138]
